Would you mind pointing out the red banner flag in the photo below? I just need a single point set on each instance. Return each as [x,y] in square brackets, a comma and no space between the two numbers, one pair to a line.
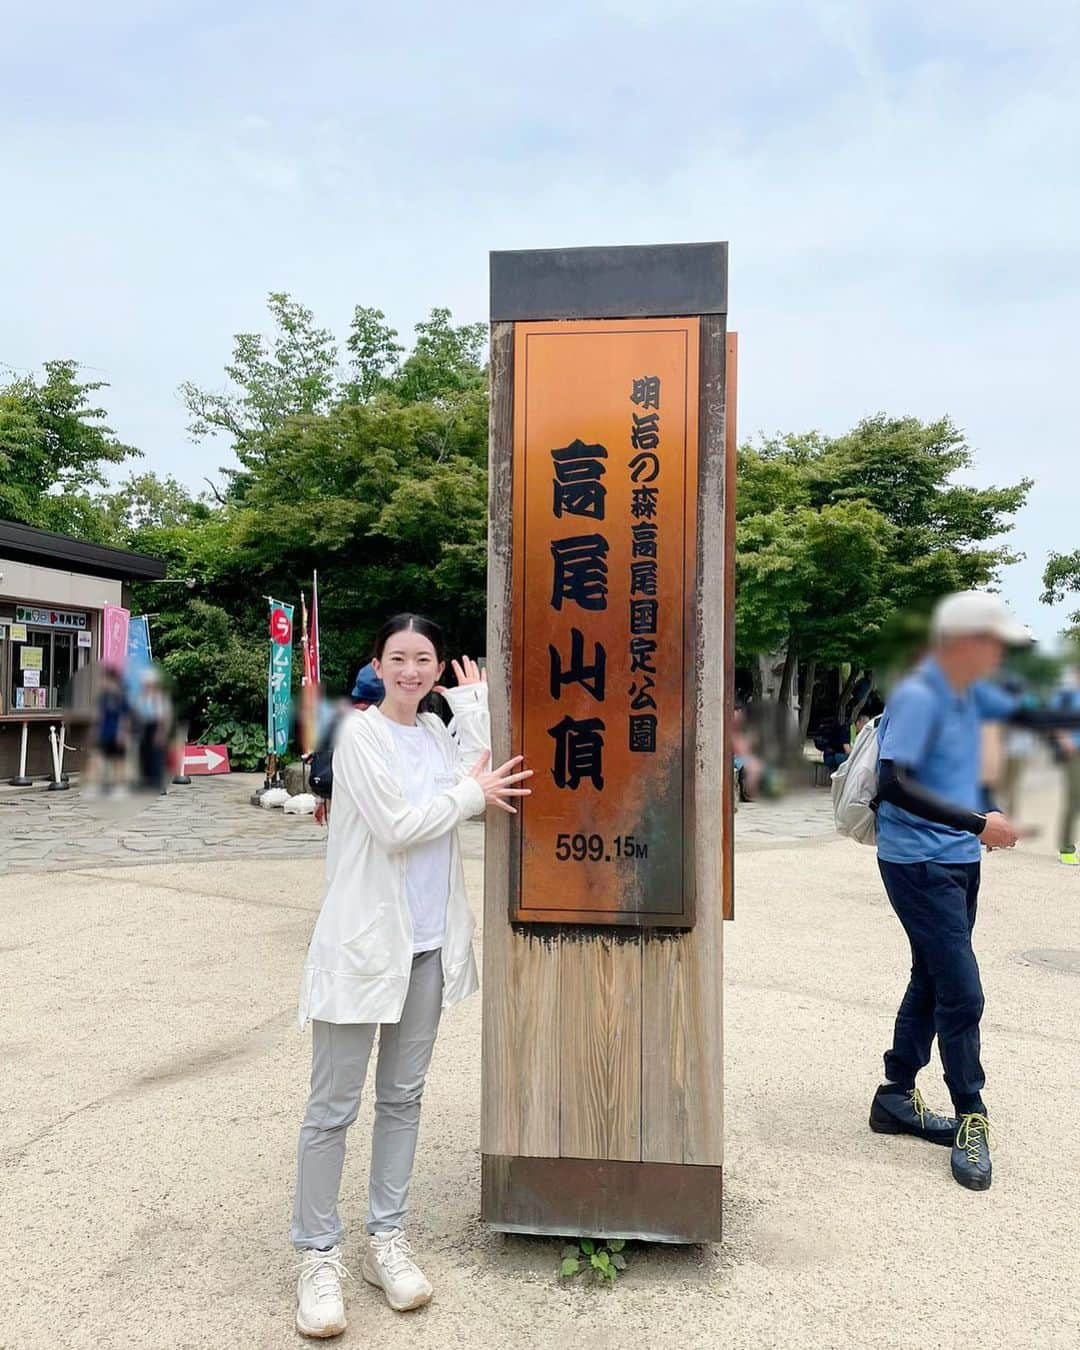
[316,663]
[308,688]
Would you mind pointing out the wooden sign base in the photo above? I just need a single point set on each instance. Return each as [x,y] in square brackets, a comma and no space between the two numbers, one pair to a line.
[592,1197]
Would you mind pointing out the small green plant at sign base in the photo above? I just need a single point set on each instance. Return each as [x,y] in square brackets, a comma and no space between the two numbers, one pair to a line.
[246,740]
[602,1259]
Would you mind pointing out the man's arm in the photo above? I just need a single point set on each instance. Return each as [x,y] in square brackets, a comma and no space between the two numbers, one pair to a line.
[1044,719]
[897,786]
[998,705]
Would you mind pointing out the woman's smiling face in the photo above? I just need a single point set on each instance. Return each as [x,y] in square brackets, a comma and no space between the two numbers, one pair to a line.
[409,666]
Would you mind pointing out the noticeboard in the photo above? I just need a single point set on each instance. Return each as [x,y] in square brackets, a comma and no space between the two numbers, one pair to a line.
[605,449]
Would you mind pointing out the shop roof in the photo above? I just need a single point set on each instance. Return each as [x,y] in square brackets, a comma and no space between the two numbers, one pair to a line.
[23,543]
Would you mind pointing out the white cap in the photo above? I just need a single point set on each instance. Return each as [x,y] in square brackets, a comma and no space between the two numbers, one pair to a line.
[971,613]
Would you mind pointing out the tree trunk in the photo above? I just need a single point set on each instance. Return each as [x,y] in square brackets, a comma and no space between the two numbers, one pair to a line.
[807,703]
[845,693]
[769,665]
[787,679]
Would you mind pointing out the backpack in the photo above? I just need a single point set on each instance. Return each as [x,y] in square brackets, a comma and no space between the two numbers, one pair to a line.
[855,785]
[854,788]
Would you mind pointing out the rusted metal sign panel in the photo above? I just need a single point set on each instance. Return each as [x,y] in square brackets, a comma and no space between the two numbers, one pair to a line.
[605,491]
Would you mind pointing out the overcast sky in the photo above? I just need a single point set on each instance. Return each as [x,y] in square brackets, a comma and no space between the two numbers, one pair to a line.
[898,183]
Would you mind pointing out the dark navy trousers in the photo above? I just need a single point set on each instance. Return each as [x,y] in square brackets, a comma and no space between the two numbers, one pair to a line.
[936,904]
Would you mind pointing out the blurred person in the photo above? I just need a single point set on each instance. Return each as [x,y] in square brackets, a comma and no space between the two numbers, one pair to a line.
[1006,749]
[749,769]
[772,729]
[991,762]
[392,948]
[833,739]
[1067,753]
[113,721]
[367,690]
[873,707]
[153,712]
[932,824]
[1020,745]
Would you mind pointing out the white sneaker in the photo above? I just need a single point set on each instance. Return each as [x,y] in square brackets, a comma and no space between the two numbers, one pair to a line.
[320,1309]
[389,1266]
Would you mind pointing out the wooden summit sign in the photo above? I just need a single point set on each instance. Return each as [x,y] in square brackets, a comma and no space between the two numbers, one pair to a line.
[609,668]
[605,504]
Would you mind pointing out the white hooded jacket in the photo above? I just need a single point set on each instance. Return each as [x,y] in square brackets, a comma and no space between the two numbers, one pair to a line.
[360,959]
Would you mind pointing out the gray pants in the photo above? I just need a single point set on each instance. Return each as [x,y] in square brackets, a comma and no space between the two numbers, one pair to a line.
[339,1063]
[1070,774]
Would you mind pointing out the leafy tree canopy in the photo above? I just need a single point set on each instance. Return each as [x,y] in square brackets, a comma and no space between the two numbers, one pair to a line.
[1060,579]
[54,446]
[836,536]
[375,475]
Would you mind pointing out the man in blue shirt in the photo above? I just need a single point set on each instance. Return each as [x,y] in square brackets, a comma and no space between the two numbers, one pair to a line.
[932,826]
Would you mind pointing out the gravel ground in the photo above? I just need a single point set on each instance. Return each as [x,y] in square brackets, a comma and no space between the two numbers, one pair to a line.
[154,1079]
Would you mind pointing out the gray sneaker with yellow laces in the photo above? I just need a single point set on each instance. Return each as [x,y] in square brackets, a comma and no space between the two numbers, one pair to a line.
[971,1152]
[900,1110]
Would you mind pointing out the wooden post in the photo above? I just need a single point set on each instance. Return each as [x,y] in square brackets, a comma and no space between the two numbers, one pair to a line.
[609,666]
[731,448]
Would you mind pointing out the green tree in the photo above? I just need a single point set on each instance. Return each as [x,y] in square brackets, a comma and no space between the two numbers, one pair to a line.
[215,669]
[382,488]
[387,500]
[903,468]
[445,362]
[1061,578]
[148,501]
[293,372]
[835,537]
[801,576]
[374,355]
[54,446]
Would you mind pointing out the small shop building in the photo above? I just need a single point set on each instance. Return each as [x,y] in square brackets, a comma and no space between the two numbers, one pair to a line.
[56,594]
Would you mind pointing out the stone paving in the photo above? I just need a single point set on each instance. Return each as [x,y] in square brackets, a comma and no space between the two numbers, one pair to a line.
[213,818]
[799,817]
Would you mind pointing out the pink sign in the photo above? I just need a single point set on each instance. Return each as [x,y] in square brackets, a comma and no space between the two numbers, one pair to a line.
[114,637]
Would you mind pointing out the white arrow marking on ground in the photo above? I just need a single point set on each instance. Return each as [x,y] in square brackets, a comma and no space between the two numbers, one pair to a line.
[209,758]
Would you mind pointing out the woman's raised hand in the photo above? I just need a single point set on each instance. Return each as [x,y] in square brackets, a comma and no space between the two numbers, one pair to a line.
[502,784]
[466,671]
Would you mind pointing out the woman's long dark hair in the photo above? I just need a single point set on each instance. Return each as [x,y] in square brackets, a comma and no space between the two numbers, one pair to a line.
[410,623]
[416,623]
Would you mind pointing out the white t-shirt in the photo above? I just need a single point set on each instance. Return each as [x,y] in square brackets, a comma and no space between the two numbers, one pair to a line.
[427,867]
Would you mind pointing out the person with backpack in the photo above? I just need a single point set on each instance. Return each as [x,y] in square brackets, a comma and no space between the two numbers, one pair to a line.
[391,949]
[931,826]
[367,689]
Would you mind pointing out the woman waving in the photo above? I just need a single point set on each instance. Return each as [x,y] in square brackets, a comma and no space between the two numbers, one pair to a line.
[392,948]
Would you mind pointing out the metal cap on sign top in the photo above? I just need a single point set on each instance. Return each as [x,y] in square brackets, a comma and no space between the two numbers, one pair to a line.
[634,281]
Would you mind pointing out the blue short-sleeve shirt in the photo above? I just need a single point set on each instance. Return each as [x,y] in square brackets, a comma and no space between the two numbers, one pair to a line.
[934,732]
